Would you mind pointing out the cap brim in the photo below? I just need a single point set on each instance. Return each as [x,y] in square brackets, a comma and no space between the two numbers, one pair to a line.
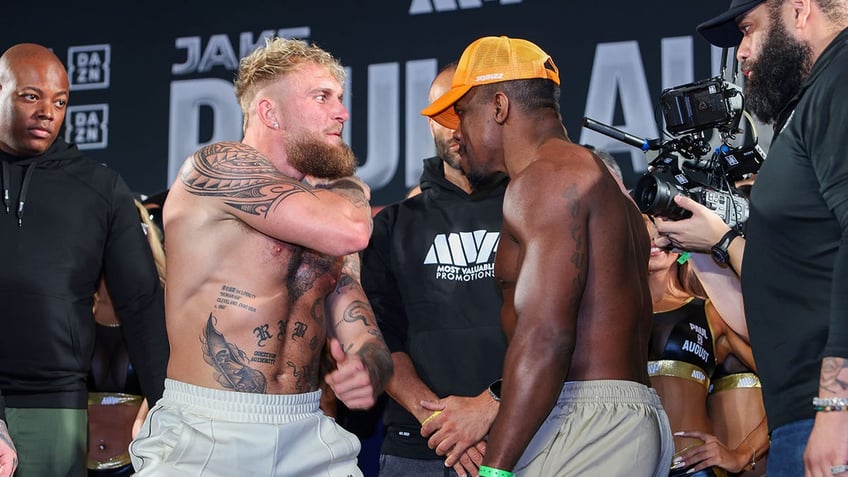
[441,110]
[722,30]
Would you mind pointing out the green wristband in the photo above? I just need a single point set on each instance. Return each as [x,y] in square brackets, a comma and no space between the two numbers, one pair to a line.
[486,471]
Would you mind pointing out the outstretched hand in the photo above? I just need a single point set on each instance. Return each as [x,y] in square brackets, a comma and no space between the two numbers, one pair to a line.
[350,381]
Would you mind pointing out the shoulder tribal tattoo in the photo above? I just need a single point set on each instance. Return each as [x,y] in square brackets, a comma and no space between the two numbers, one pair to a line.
[242,175]
[229,363]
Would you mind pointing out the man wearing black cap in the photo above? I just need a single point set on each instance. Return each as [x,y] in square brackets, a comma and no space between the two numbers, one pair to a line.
[794,56]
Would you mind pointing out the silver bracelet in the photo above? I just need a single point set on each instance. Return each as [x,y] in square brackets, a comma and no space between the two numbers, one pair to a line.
[830,404]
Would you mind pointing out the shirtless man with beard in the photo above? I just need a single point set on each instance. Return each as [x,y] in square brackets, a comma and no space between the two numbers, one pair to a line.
[262,270]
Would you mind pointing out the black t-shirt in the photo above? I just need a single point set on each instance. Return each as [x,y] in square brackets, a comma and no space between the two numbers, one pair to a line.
[429,275]
[795,272]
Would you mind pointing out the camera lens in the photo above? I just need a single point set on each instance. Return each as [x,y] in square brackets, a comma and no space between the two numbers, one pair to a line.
[655,196]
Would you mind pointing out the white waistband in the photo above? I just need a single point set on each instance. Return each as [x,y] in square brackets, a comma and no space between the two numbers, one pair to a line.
[240,407]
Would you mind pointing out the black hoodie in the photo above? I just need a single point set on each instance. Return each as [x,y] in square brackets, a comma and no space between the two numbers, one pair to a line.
[64,220]
[428,273]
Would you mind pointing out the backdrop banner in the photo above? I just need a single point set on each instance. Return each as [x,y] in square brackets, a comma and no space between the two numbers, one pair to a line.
[152,81]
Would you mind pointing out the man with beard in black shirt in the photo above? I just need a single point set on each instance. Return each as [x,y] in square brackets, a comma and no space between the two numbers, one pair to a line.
[794,56]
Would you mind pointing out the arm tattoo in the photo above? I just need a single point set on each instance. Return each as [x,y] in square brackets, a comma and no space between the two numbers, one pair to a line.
[344,282]
[378,361]
[578,259]
[572,198]
[352,266]
[351,270]
[229,362]
[358,310]
[347,188]
[831,368]
[304,268]
[246,178]
[299,330]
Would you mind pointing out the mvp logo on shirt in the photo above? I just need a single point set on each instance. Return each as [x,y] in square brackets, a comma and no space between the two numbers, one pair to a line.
[463,256]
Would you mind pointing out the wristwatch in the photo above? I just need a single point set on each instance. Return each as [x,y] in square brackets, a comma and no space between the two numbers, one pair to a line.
[719,250]
[495,390]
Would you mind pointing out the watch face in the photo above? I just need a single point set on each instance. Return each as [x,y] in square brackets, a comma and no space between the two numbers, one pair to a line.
[719,250]
[495,389]
[720,255]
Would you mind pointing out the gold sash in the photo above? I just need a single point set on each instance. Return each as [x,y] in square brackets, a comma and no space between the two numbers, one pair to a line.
[678,369]
[736,381]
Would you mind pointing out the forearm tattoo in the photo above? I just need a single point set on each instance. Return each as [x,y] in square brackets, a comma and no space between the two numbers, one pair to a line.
[230,364]
[378,361]
[345,282]
[358,310]
[830,379]
[347,188]
[349,279]
[240,173]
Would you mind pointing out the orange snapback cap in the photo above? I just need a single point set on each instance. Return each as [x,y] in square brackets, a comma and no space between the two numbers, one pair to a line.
[491,59]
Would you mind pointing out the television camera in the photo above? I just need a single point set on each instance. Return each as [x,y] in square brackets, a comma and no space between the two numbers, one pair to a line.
[690,111]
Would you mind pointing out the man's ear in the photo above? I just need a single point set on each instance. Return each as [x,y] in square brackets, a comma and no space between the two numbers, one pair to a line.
[265,111]
[501,102]
[801,11]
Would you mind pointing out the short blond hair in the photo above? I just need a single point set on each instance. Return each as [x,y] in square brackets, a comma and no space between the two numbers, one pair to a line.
[273,61]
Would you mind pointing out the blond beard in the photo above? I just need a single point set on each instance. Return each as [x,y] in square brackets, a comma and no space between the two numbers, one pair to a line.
[315,157]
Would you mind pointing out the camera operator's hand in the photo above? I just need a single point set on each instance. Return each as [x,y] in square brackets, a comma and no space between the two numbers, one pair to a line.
[695,234]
